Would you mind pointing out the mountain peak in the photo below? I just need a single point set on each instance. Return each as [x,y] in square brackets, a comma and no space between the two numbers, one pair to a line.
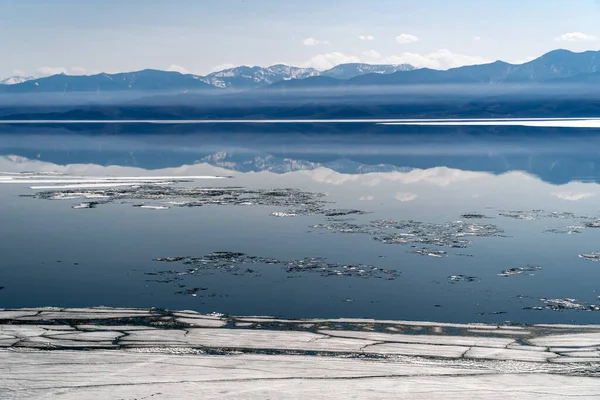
[558,52]
[14,80]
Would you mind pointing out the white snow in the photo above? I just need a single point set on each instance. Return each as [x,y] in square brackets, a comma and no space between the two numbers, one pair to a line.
[500,331]
[254,339]
[425,339]
[74,375]
[159,362]
[576,339]
[96,185]
[154,207]
[201,322]
[82,206]
[508,354]
[13,80]
[556,123]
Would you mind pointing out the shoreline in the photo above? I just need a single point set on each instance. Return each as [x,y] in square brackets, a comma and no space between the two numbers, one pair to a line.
[120,328]
[126,353]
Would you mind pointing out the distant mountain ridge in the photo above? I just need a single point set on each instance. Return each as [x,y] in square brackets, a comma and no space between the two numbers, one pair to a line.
[146,80]
[557,67]
[245,77]
[237,78]
[551,66]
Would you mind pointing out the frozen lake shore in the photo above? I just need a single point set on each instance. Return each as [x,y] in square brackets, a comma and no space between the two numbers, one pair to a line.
[159,354]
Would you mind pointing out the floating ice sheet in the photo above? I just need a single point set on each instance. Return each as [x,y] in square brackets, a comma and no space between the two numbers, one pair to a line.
[453,234]
[565,304]
[595,256]
[243,264]
[520,270]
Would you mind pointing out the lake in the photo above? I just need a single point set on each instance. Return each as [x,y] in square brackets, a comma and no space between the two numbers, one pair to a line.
[455,223]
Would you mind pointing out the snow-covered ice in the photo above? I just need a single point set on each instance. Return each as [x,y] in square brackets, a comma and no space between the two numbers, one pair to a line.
[159,354]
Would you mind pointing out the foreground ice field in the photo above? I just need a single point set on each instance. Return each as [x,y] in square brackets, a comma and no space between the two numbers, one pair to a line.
[108,353]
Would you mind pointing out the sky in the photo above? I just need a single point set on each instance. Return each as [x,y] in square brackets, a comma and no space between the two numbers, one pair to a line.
[41,37]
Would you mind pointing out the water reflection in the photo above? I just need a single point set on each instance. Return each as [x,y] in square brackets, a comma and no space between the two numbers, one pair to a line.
[554,155]
[465,232]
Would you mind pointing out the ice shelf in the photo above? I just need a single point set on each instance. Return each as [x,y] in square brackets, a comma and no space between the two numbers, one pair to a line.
[161,354]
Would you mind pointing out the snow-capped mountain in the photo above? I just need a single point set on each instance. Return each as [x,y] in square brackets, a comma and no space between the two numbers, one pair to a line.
[347,71]
[245,77]
[558,66]
[238,78]
[13,80]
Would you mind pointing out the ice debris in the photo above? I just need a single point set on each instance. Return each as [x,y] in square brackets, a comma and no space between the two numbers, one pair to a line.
[296,202]
[520,270]
[150,207]
[566,230]
[564,304]
[595,256]
[91,204]
[238,264]
[424,251]
[474,215]
[537,214]
[462,278]
[454,234]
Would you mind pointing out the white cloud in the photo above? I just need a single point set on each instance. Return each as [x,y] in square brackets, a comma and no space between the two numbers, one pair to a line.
[522,60]
[406,38]
[367,198]
[221,67]
[78,71]
[441,59]
[330,60]
[19,72]
[477,38]
[313,42]
[366,37]
[47,71]
[572,196]
[576,37]
[405,196]
[371,54]
[178,68]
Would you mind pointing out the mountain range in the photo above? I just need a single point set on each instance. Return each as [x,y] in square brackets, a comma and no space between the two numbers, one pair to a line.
[557,67]
[560,83]
[236,79]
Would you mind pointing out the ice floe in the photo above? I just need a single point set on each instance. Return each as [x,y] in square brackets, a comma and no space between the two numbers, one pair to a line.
[520,270]
[475,348]
[243,264]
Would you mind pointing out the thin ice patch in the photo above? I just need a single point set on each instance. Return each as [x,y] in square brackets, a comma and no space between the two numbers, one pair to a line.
[528,269]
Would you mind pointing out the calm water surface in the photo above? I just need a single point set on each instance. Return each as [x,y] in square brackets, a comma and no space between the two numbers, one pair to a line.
[537,188]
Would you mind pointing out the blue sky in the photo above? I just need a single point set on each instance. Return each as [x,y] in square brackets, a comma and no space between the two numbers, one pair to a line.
[41,37]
